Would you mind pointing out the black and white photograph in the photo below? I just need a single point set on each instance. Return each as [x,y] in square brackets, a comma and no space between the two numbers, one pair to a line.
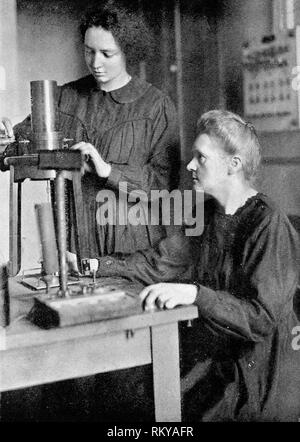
[150,214]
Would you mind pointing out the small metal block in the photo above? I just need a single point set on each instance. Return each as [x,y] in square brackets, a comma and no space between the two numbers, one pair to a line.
[60,159]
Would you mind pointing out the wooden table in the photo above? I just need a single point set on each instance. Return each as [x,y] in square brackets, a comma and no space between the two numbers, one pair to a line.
[32,356]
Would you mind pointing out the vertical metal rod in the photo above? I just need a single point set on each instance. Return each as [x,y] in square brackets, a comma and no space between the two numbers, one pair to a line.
[180,102]
[61,231]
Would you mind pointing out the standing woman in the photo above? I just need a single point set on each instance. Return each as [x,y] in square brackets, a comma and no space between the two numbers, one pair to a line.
[125,127]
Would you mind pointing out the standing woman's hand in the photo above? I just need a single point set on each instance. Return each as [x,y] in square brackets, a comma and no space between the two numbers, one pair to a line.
[93,158]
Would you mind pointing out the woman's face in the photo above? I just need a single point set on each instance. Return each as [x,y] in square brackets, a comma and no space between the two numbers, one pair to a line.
[209,166]
[104,58]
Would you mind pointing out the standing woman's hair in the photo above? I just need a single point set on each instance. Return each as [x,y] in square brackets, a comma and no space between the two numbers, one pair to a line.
[236,136]
[127,27]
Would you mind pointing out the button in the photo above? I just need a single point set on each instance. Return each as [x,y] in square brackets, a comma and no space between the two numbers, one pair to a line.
[251,364]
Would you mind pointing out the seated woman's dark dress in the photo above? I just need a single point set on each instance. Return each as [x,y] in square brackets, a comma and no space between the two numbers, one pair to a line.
[247,267]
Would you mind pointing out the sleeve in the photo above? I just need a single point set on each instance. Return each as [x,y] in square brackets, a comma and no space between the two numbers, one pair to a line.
[265,286]
[23,130]
[162,168]
[171,260]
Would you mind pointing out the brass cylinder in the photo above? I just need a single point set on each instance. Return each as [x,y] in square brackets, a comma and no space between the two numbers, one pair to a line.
[44,115]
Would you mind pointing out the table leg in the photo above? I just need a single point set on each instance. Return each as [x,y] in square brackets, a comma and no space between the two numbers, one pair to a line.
[166,373]
[15,190]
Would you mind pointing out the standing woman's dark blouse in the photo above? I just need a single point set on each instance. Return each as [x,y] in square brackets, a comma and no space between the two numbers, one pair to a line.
[134,129]
[247,268]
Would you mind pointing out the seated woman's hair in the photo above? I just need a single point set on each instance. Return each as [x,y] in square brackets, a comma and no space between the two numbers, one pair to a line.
[127,27]
[236,136]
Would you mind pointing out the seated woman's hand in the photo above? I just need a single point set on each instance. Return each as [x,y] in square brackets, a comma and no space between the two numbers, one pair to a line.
[92,157]
[167,295]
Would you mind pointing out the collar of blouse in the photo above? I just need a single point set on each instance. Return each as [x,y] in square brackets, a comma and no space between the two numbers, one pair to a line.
[133,90]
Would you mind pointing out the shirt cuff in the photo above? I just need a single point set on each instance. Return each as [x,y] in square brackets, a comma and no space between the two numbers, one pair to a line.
[114,177]
[213,304]
[205,299]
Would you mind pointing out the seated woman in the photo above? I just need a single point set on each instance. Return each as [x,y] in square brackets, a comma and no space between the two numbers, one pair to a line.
[244,274]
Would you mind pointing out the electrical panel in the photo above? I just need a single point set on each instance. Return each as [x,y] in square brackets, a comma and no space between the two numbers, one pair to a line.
[271,82]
